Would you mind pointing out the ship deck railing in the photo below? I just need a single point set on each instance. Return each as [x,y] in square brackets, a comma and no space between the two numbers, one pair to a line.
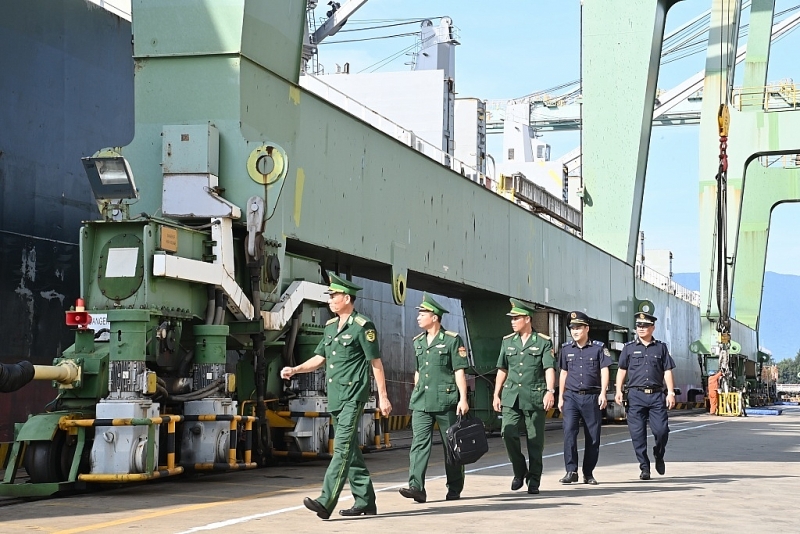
[666,283]
[391,128]
[779,96]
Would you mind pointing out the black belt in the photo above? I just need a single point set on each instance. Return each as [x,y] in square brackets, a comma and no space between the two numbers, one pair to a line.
[585,391]
[648,391]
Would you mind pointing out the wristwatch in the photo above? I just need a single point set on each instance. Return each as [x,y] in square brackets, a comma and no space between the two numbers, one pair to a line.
[671,393]
[551,391]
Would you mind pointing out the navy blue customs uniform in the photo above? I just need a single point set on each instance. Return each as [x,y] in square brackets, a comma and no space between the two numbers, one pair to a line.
[581,391]
[647,365]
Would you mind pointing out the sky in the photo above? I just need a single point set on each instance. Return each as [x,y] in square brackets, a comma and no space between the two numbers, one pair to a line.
[511,48]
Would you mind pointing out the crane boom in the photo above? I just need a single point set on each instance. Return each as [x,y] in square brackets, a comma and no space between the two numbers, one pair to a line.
[337,20]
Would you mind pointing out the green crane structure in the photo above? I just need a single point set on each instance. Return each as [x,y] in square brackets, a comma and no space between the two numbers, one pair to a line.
[240,189]
[760,151]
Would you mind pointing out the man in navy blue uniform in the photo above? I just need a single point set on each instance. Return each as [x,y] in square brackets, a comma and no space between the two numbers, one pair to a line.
[582,385]
[649,365]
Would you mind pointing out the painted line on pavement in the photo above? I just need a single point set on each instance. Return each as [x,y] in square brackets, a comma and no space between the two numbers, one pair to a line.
[245,519]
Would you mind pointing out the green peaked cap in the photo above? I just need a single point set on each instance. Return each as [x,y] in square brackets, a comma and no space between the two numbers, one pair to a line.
[340,285]
[520,308]
[428,304]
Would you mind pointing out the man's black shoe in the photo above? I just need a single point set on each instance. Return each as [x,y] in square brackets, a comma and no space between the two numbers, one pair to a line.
[590,480]
[644,475]
[452,496]
[569,478]
[661,468]
[356,511]
[315,506]
[414,493]
[517,483]
[533,491]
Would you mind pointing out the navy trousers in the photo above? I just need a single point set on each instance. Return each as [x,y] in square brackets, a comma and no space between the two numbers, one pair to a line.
[644,408]
[577,407]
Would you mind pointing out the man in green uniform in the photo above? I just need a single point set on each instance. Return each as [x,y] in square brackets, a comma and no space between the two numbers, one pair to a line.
[526,377]
[440,393]
[349,347]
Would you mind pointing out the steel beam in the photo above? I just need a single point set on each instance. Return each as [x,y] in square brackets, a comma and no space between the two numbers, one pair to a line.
[618,126]
[758,179]
[354,197]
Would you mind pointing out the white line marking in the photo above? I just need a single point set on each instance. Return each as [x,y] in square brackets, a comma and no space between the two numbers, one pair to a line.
[245,519]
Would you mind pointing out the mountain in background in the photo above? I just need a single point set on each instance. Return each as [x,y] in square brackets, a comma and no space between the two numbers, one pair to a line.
[781,294]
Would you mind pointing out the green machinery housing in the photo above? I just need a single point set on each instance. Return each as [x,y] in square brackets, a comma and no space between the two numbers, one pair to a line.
[240,190]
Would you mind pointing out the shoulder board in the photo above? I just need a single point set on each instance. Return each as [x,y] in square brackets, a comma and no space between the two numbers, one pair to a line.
[419,336]
[509,335]
[542,336]
[631,342]
[451,334]
[331,321]
[598,343]
[361,320]
[566,343]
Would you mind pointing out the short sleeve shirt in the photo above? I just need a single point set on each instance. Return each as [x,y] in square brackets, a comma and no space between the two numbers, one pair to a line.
[583,364]
[347,352]
[437,363]
[646,364]
[525,363]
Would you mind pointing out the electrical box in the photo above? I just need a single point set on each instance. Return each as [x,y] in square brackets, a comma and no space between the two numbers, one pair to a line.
[190,149]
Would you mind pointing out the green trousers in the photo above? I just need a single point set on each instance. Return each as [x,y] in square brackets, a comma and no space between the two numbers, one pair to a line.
[533,420]
[347,462]
[421,443]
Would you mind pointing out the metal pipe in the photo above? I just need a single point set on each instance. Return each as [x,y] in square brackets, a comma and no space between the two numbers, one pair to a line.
[233,441]
[377,438]
[248,441]
[171,444]
[288,356]
[132,477]
[65,372]
[65,422]
[219,302]
[211,291]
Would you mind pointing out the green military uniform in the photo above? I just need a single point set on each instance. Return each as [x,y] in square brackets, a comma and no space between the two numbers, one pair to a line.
[522,398]
[347,352]
[434,399]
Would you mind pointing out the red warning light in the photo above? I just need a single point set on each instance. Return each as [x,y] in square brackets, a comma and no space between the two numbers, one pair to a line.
[79,317]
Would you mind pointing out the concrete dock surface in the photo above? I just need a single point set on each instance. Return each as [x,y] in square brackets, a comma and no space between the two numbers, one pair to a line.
[722,474]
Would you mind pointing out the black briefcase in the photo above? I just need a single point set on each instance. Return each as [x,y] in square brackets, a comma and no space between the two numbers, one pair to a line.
[466,441]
